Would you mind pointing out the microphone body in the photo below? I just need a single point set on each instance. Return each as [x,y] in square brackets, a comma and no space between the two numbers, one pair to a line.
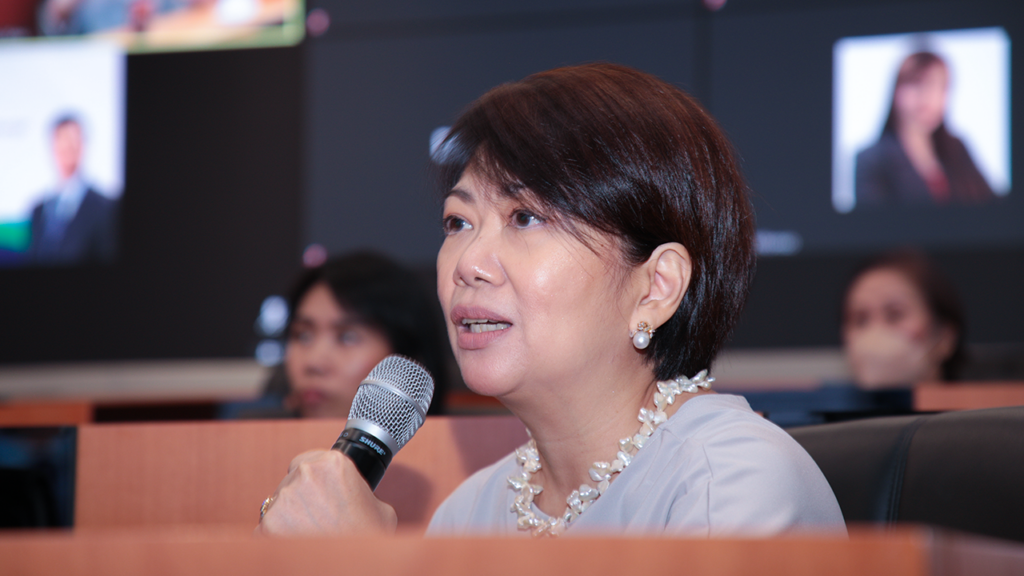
[369,455]
[389,407]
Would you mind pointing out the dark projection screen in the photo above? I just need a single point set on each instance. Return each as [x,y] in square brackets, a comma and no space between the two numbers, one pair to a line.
[237,160]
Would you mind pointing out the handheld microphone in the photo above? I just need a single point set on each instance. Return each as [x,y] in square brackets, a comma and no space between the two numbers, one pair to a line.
[389,407]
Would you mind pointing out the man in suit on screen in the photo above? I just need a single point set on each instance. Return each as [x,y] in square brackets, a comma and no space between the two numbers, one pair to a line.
[75,224]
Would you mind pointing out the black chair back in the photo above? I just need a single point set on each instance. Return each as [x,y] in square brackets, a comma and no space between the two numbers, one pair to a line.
[960,470]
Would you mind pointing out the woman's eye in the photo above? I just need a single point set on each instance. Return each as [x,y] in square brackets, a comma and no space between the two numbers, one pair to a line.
[524,219]
[301,335]
[894,315]
[349,338]
[452,224]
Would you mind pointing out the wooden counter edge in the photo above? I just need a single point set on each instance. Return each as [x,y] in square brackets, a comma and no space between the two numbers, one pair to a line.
[233,550]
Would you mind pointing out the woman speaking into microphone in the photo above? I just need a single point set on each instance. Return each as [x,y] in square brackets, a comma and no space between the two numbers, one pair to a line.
[598,250]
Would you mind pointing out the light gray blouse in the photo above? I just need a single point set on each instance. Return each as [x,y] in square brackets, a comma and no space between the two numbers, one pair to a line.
[714,469]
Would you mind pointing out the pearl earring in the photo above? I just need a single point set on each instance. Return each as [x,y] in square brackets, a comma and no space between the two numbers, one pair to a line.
[642,335]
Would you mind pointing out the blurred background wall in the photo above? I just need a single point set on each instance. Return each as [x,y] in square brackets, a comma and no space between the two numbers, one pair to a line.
[237,161]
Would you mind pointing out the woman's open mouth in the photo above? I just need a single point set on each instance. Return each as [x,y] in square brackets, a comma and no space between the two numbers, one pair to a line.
[479,325]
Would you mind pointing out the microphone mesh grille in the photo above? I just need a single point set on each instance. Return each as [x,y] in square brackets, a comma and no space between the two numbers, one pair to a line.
[389,410]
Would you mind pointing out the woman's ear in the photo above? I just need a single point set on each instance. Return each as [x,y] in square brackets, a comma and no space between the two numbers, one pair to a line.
[944,344]
[663,278]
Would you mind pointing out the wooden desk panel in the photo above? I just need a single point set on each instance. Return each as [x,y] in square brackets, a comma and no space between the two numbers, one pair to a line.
[220,472]
[936,397]
[907,552]
[45,413]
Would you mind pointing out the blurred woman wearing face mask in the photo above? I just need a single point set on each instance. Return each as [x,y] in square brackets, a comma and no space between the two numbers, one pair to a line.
[902,323]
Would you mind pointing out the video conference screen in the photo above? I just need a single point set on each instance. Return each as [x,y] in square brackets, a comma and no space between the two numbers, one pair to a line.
[158,25]
[866,127]
[62,144]
[921,120]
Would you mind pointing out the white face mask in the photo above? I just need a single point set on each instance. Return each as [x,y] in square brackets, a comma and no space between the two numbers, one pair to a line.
[880,357]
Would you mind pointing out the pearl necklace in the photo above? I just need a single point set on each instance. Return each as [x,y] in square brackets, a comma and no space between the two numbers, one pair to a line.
[601,472]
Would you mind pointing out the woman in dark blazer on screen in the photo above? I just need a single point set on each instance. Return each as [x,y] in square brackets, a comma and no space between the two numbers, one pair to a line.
[916,160]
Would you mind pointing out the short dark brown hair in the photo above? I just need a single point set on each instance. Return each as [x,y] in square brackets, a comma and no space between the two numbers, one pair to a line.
[64,120]
[616,150]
